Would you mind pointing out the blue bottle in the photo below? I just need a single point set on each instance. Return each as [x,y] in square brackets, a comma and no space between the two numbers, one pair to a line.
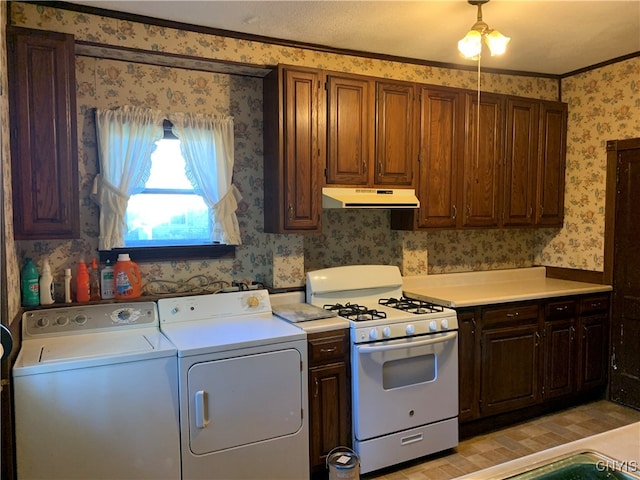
[30,284]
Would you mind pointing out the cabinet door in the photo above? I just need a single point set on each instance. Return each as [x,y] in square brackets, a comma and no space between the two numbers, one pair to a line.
[441,128]
[483,153]
[395,140]
[518,196]
[594,345]
[44,144]
[294,150]
[510,371]
[349,130]
[467,366]
[329,412]
[551,164]
[559,358]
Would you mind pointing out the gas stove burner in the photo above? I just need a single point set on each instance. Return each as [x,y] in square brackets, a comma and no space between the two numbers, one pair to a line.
[410,305]
[355,312]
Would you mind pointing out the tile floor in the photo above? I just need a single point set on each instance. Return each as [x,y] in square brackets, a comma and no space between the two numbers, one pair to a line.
[490,449]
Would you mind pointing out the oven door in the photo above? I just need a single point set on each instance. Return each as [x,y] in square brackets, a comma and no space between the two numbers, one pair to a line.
[405,383]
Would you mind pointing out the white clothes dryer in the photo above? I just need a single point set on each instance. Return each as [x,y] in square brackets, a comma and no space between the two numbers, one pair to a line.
[96,395]
[243,387]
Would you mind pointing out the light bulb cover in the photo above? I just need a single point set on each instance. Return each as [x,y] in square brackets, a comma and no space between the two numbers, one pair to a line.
[496,42]
[471,45]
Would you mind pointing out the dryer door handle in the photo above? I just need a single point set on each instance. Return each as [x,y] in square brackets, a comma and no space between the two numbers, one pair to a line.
[202,414]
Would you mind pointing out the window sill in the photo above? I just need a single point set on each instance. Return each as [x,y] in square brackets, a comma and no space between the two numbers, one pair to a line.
[164,254]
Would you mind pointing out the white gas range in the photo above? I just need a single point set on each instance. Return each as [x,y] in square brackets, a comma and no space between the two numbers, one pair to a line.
[404,363]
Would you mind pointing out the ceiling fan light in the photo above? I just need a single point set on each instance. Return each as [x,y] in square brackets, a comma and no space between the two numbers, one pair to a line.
[496,42]
[471,45]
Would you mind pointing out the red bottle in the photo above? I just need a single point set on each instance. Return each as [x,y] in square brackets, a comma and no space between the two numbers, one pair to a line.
[82,283]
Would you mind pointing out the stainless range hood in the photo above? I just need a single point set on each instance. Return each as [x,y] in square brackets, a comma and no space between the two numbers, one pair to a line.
[369,198]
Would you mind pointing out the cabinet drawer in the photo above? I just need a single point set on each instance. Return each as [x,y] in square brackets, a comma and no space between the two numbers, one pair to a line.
[560,310]
[327,348]
[593,305]
[512,313]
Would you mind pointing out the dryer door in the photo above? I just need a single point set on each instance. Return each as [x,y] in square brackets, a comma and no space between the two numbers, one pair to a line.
[243,400]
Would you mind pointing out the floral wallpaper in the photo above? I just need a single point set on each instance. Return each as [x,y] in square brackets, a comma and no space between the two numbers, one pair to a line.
[348,237]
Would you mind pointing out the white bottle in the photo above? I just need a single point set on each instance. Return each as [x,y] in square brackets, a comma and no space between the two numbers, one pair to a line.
[46,284]
[67,285]
[107,281]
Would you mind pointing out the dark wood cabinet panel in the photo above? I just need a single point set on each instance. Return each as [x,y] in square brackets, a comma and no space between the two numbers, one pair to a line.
[329,395]
[350,136]
[559,358]
[593,351]
[483,153]
[467,371]
[551,164]
[395,140]
[510,368]
[41,67]
[521,149]
[294,149]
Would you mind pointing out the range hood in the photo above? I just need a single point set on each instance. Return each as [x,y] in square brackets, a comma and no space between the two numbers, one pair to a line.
[369,198]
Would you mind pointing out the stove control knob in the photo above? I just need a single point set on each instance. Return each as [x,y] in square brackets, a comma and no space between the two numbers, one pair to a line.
[386,332]
[444,324]
[373,334]
[433,326]
[410,329]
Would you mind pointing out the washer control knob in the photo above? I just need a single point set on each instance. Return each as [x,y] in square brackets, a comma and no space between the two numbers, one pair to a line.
[80,319]
[175,310]
[433,326]
[42,322]
[62,321]
[386,332]
[444,324]
[373,334]
[411,329]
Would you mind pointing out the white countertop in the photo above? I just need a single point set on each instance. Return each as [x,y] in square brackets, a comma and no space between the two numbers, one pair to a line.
[621,444]
[469,289]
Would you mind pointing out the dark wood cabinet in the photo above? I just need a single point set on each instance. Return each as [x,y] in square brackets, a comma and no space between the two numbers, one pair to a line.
[329,395]
[560,349]
[467,371]
[294,149]
[521,151]
[593,334]
[42,87]
[552,142]
[350,129]
[510,358]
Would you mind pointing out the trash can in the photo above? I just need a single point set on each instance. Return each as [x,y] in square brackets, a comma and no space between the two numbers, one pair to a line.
[343,464]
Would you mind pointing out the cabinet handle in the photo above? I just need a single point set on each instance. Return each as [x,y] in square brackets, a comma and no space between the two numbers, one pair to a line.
[537,339]
[317,389]
[328,350]
[511,315]
[364,165]
[455,212]
[561,309]
[290,212]
[572,334]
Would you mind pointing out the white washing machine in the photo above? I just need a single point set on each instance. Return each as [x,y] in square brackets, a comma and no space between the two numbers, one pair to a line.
[96,395]
[243,387]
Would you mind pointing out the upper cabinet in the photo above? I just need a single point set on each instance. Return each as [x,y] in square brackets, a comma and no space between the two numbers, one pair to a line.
[294,150]
[370,140]
[42,92]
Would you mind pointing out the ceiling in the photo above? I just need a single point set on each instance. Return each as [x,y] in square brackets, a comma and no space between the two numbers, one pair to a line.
[547,37]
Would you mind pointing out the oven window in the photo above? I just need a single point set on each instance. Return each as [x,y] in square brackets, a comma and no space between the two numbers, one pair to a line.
[409,371]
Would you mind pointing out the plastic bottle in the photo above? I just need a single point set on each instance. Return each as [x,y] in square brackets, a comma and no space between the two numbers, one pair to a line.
[127,278]
[107,281]
[94,281]
[46,284]
[67,285]
[82,283]
[30,284]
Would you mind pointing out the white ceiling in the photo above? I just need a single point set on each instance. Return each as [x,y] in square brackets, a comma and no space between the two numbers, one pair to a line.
[549,37]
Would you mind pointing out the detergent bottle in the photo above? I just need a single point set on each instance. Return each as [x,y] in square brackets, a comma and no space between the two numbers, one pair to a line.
[127,278]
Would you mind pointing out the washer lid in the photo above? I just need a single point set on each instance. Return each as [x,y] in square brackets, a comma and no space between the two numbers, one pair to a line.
[59,351]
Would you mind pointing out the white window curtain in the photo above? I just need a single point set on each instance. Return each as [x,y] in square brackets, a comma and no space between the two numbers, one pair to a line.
[206,142]
[127,137]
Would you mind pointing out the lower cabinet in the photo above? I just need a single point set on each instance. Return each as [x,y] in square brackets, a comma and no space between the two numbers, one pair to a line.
[329,395]
[527,354]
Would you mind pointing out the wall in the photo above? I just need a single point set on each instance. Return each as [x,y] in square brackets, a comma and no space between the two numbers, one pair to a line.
[278,260]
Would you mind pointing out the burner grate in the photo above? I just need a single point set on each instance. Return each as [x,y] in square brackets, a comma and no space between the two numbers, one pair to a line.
[355,312]
[411,305]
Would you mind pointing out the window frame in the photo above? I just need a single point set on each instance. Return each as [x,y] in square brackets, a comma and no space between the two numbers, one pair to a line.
[170,253]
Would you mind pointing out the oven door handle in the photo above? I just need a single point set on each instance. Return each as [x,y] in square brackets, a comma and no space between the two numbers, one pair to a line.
[399,346]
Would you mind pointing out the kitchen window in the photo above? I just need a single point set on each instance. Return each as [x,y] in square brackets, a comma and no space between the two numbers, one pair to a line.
[165,184]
